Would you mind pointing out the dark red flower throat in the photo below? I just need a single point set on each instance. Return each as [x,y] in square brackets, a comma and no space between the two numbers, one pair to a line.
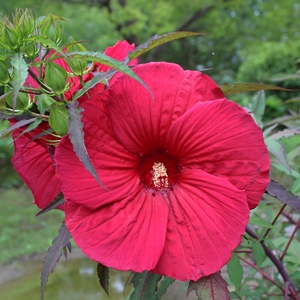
[159,170]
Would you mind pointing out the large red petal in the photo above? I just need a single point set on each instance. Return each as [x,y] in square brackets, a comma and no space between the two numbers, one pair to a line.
[141,122]
[207,218]
[126,235]
[221,138]
[116,167]
[33,161]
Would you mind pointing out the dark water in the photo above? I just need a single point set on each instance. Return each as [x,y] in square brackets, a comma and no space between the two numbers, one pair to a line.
[73,280]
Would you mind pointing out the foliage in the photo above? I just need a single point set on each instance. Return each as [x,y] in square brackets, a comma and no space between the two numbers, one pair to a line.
[268,250]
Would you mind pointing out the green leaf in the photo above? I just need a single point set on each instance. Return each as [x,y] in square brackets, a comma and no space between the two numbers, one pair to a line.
[58,119]
[108,61]
[277,150]
[103,276]
[212,287]
[283,169]
[165,283]
[53,255]
[286,133]
[77,139]
[50,44]
[258,253]
[296,186]
[235,271]
[237,88]
[20,70]
[91,83]
[157,40]
[260,222]
[274,189]
[145,286]
[257,107]
[44,102]
[15,126]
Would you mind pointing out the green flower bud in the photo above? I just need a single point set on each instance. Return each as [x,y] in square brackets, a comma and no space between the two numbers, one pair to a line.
[22,103]
[56,78]
[10,37]
[30,49]
[25,23]
[51,30]
[77,65]
[4,74]
[58,119]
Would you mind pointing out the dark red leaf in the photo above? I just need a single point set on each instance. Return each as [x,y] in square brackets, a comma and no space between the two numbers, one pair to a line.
[103,276]
[145,286]
[212,287]
[16,125]
[53,204]
[77,139]
[53,255]
[274,189]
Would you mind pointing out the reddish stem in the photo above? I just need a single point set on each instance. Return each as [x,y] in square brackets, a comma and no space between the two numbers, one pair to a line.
[261,272]
[290,240]
[274,221]
[278,264]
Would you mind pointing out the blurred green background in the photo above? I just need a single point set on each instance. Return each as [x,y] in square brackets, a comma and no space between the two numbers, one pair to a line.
[244,41]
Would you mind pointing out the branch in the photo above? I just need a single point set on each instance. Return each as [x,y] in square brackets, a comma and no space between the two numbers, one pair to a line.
[261,272]
[278,264]
[194,17]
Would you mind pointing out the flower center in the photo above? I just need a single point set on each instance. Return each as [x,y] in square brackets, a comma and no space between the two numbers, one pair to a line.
[160,176]
[158,170]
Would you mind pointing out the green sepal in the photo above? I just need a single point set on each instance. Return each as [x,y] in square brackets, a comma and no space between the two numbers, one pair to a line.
[58,119]
[55,77]
[44,102]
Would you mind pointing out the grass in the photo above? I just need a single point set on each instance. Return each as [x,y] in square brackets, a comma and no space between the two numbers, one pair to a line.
[21,233]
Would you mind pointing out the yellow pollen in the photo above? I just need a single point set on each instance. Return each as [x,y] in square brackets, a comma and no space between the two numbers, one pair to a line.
[160,176]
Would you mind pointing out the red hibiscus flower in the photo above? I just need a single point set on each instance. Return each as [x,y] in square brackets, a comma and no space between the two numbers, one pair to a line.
[33,158]
[181,170]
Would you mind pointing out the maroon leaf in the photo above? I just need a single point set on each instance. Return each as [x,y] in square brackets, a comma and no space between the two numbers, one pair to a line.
[16,125]
[53,204]
[212,287]
[77,139]
[274,189]
[103,276]
[53,255]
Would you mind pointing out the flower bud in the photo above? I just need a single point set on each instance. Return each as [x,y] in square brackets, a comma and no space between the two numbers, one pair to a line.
[10,37]
[51,30]
[25,23]
[22,102]
[30,49]
[55,78]
[58,119]
[4,74]
[77,65]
